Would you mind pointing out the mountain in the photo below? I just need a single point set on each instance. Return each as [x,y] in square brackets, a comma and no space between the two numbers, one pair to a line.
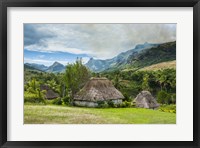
[119,61]
[141,56]
[56,68]
[161,53]
[30,68]
[35,66]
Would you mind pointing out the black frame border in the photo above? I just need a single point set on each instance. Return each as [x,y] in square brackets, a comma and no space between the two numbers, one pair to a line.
[4,4]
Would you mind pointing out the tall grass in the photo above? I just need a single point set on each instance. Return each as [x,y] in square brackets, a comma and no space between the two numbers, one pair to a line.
[52,114]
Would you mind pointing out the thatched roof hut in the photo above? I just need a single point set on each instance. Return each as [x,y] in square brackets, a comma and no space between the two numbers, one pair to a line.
[145,100]
[50,94]
[97,89]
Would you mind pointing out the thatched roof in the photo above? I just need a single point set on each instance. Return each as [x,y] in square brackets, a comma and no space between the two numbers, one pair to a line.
[145,100]
[50,94]
[98,89]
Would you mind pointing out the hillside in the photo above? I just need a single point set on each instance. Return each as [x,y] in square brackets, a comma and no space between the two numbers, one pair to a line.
[141,56]
[35,66]
[117,62]
[30,68]
[163,65]
[161,53]
[56,67]
[154,67]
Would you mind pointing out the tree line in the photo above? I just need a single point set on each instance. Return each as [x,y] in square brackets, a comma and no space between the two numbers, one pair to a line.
[161,83]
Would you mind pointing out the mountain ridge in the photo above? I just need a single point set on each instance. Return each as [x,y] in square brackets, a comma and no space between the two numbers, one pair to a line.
[56,67]
[118,61]
[141,56]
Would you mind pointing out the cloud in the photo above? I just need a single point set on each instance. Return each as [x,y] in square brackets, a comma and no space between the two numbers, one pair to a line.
[85,60]
[33,36]
[41,56]
[47,58]
[97,40]
[45,62]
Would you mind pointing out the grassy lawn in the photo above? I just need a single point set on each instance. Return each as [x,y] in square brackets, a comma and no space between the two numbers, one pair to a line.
[52,114]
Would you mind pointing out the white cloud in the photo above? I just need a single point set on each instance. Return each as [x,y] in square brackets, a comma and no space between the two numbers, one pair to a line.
[85,60]
[56,48]
[45,62]
[41,56]
[98,40]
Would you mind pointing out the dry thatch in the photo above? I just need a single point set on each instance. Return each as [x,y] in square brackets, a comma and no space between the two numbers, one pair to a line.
[146,100]
[98,89]
[50,94]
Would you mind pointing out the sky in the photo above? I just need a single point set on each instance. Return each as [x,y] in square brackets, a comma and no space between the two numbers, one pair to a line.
[47,43]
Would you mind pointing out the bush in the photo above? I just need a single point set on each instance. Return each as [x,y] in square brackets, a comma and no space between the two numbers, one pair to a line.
[173,98]
[111,103]
[127,98]
[133,104]
[125,104]
[57,101]
[66,100]
[168,108]
[102,104]
[163,97]
[32,98]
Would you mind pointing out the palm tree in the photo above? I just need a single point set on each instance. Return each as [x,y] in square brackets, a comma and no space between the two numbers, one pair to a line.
[161,79]
[117,82]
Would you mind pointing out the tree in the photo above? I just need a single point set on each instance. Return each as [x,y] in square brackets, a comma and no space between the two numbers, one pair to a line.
[76,75]
[32,86]
[163,97]
[40,94]
[145,83]
[61,89]
[52,84]
[117,81]
[32,89]
[161,79]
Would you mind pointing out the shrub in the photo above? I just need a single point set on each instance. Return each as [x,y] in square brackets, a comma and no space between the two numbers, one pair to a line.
[163,97]
[127,98]
[128,104]
[32,98]
[173,98]
[133,104]
[57,101]
[168,108]
[102,104]
[125,104]
[66,100]
[49,101]
[111,103]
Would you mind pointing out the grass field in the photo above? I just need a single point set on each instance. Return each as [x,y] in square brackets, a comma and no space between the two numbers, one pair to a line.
[163,65]
[155,67]
[52,114]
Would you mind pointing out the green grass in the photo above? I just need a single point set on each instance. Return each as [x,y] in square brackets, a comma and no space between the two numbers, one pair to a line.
[52,114]
[162,65]
[155,67]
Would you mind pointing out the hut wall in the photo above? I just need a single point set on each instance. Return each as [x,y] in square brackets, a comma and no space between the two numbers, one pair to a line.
[94,104]
[86,103]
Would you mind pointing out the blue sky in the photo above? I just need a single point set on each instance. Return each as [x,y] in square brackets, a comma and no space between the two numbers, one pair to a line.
[48,58]
[47,43]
